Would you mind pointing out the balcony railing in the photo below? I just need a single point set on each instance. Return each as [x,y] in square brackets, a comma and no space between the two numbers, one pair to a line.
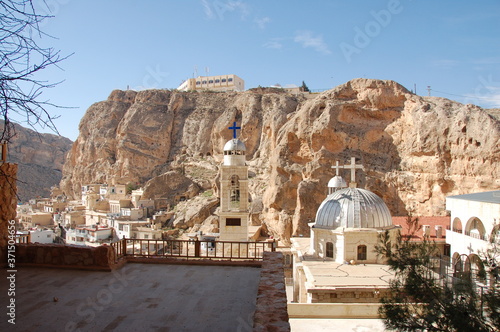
[475,235]
[24,238]
[189,249]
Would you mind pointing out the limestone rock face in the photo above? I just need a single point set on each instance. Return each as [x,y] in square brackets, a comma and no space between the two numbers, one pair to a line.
[168,188]
[40,159]
[194,212]
[415,150]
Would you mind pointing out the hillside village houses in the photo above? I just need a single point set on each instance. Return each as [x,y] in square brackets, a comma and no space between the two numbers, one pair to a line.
[104,214]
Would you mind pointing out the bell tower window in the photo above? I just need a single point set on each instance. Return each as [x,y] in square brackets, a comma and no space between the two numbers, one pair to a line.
[234,193]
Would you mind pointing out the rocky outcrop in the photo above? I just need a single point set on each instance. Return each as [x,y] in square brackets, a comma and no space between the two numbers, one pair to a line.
[415,150]
[169,188]
[40,159]
[194,212]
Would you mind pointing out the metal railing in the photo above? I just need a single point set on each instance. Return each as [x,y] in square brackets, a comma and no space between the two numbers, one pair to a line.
[24,238]
[189,249]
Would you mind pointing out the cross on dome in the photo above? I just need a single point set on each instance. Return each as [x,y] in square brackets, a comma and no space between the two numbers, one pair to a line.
[353,167]
[234,128]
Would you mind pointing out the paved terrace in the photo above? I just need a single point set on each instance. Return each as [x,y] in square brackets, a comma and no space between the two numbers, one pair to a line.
[138,297]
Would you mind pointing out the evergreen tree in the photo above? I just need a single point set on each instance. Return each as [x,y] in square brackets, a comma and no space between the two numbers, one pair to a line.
[304,87]
[423,300]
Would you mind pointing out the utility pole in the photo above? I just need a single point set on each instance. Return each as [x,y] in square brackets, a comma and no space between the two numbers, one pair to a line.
[429,90]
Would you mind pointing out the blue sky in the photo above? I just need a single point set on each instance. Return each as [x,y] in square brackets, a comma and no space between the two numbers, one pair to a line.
[452,46]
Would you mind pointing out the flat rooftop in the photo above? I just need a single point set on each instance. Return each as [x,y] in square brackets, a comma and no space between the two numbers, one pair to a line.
[327,273]
[137,297]
[485,197]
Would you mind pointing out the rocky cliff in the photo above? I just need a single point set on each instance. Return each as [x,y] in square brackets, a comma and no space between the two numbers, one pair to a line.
[415,150]
[40,159]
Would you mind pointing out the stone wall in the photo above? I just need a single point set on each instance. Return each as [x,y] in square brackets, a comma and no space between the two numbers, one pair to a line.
[65,256]
[271,312]
[8,204]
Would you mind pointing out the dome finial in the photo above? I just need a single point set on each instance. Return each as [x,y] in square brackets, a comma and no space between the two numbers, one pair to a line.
[337,182]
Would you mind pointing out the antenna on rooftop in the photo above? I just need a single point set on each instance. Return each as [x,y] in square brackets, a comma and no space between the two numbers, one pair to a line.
[195,71]
[207,70]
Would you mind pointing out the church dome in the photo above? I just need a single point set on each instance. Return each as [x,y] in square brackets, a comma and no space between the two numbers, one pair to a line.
[337,182]
[234,145]
[353,208]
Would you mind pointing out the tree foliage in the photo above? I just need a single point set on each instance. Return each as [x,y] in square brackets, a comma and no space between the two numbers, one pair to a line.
[22,58]
[304,87]
[423,299]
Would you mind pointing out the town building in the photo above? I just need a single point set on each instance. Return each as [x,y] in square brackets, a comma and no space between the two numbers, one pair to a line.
[39,235]
[89,235]
[214,83]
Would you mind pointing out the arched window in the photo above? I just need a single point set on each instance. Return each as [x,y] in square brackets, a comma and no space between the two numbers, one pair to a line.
[234,199]
[475,228]
[329,249]
[362,252]
[457,225]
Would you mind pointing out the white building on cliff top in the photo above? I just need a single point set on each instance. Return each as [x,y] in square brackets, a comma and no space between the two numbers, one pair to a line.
[215,83]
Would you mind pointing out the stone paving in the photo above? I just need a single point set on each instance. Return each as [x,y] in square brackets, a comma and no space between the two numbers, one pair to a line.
[138,297]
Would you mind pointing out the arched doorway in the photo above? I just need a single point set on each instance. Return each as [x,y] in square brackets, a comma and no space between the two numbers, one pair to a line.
[477,268]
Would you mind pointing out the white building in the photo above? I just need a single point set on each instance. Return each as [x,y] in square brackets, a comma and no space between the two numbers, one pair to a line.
[39,235]
[89,235]
[474,224]
[215,83]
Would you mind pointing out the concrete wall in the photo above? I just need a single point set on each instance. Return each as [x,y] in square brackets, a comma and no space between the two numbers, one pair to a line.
[65,256]
[333,310]
[271,308]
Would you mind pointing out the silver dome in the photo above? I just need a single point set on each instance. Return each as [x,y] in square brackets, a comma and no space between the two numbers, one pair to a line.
[337,182]
[353,208]
[235,145]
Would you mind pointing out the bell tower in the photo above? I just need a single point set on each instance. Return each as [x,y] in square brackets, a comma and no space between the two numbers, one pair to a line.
[233,215]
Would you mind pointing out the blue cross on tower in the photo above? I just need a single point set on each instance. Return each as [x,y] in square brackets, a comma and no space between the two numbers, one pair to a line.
[234,128]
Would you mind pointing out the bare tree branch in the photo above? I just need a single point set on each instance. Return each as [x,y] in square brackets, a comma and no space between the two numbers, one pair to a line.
[21,61]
